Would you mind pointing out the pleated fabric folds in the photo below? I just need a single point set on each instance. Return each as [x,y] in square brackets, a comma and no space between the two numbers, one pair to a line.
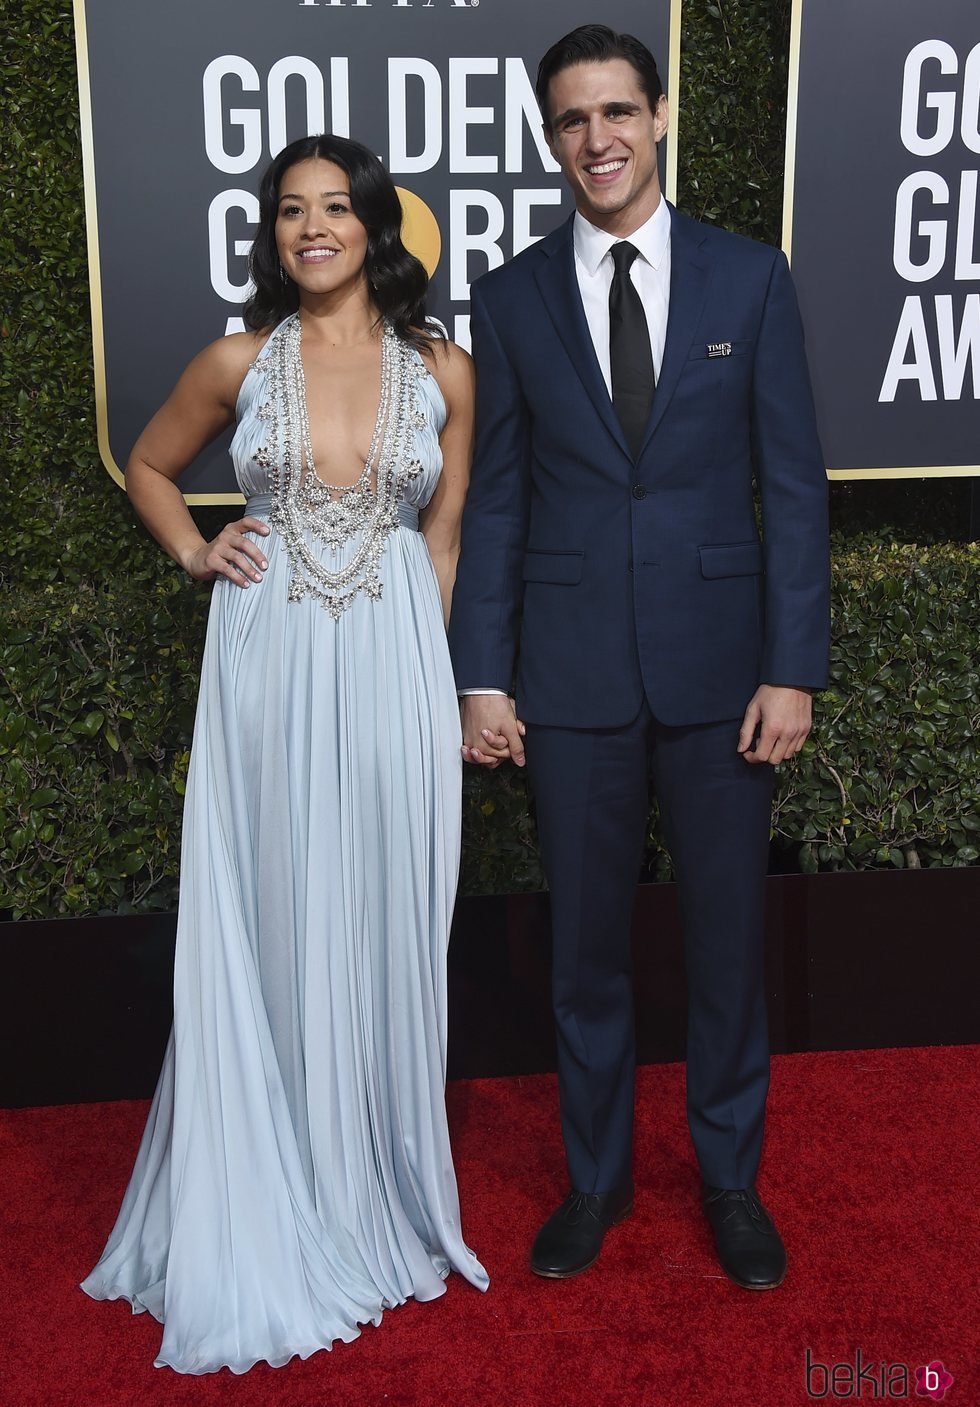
[295,1176]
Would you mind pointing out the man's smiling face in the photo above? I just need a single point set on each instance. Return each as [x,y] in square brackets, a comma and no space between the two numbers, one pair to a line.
[604,136]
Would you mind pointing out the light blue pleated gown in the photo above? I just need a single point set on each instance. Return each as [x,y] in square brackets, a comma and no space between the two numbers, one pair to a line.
[295,1176]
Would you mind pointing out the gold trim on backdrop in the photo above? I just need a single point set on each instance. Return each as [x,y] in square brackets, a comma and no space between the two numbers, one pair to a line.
[95,268]
[92,239]
[673,96]
[789,188]
[959,471]
[792,96]
[214,498]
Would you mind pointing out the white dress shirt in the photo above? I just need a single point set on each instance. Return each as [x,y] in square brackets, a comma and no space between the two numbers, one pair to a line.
[650,272]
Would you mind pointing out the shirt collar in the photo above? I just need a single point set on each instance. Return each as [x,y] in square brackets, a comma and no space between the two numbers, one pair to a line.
[651,239]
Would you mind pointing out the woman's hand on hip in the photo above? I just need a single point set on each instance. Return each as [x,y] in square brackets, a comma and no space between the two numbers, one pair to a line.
[230,554]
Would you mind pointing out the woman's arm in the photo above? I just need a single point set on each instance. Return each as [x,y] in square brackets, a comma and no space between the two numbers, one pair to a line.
[201,405]
[453,369]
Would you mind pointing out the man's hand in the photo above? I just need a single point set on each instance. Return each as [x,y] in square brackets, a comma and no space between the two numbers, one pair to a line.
[492,732]
[782,717]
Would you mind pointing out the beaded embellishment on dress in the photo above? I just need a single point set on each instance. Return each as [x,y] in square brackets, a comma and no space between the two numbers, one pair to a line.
[335,515]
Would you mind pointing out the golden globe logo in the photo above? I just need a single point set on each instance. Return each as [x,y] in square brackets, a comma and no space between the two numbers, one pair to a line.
[420,230]
[433,122]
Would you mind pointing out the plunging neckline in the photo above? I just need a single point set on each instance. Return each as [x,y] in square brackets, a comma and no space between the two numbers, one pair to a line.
[366,482]
[309,515]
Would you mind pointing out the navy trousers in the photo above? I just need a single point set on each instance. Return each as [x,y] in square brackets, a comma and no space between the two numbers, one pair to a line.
[592,795]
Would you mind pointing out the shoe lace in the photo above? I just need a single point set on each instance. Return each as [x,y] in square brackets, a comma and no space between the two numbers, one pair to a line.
[745,1195]
[752,1204]
[579,1202]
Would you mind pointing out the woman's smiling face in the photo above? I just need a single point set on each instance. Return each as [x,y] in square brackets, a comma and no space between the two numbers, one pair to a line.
[321,242]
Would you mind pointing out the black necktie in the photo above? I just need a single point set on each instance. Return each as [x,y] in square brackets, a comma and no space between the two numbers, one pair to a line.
[630,357]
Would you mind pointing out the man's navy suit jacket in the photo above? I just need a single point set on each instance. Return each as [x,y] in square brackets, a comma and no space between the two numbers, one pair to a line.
[591,579]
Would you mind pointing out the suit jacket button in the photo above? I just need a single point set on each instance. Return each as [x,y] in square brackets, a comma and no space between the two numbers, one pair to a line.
[639,491]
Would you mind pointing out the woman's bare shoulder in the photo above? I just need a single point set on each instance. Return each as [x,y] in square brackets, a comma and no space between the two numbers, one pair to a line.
[233,353]
[452,368]
[221,366]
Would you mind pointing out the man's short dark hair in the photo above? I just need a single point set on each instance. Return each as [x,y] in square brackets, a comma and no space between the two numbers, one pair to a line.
[596,43]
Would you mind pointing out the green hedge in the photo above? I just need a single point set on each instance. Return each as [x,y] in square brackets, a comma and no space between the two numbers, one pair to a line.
[101,637]
[95,730]
[891,776]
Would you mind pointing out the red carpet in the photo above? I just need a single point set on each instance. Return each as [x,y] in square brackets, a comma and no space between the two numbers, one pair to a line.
[870,1171]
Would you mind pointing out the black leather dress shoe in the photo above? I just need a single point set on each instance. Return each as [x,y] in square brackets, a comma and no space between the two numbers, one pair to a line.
[749,1246]
[570,1241]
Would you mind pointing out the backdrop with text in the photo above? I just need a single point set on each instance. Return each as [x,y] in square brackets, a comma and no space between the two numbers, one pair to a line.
[881,223]
[184,105]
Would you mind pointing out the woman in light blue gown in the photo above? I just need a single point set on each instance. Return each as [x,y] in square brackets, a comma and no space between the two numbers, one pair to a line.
[295,1177]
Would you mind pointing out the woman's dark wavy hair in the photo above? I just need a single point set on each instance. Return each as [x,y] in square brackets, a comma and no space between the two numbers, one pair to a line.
[596,43]
[398,280]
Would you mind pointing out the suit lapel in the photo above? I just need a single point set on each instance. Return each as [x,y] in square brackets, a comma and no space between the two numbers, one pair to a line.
[689,270]
[689,274]
[556,279]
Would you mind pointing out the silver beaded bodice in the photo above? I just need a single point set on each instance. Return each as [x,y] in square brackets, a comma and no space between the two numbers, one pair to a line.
[352,522]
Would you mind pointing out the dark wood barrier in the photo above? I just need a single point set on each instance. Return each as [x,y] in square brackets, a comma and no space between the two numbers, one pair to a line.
[880,958]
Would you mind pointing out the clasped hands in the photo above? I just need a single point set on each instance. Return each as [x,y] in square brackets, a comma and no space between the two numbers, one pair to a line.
[492,732]
[778,718]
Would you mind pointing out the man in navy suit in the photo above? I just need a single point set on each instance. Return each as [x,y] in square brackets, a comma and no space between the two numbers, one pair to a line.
[638,374]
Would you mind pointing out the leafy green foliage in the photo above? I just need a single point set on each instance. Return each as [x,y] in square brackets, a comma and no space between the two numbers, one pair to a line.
[47,402]
[95,729]
[892,776]
[732,133]
[100,637]
[500,850]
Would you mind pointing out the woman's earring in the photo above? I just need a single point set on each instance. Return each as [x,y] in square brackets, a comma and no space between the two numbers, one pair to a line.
[283,275]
